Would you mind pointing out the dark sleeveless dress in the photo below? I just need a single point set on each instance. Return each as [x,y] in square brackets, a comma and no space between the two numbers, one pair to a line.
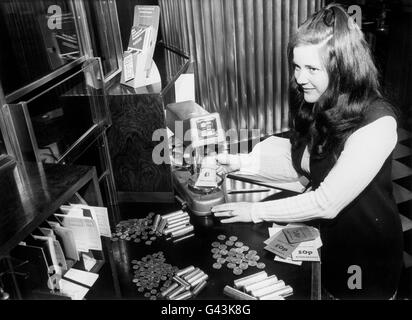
[367,233]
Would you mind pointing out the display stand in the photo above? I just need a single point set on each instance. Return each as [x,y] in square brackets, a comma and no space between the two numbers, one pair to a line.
[139,69]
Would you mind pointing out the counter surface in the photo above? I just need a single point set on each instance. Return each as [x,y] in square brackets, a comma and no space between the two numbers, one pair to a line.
[196,251]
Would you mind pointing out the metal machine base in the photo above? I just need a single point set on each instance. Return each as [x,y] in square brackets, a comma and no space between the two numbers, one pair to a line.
[198,204]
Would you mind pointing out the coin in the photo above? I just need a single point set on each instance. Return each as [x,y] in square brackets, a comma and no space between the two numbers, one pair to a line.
[217,266]
[237,271]
[229,243]
[221,260]
[243,266]
[230,265]
[221,237]
[215,244]
[148,242]
[222,247]
[215,250]
[261,265]
[239,244]
[233,238]
[137,240]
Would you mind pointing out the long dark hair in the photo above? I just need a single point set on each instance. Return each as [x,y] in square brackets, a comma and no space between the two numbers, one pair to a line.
[353,83]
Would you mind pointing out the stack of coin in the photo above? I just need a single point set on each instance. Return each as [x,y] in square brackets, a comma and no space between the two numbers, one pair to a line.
[137,230]
[235,254]
[175,225]
[188,282]
[258,286]
[152,275]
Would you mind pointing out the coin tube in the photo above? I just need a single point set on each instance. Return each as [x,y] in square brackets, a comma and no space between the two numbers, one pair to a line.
[260,284]
[183,296]
[182,282]
[175,292]
[172,214]
[239,283]
[165,292]
[199,288]
[156,222]
[271,296]
[268,289]
[177,224]
[162,225]
[177,239]
[195,277]
[284,292]
[183,231]
[184,215]
[184,271]
[191,274]
[236,294]
[174,229]
[204,277]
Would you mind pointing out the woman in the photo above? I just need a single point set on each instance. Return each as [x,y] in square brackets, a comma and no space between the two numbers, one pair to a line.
[343,134]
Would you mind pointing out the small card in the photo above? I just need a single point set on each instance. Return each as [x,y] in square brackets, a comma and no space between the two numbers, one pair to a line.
[280,246]
[82,277]
[299,234]
[305,254]
[128,67]
[74,291]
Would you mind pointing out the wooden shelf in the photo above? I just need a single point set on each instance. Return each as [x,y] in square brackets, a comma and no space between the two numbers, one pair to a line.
[31,192]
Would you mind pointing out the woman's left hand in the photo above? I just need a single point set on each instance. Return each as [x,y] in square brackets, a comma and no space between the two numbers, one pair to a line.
[236,211]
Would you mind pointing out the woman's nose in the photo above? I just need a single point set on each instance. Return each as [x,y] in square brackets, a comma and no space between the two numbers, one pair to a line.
[300,77]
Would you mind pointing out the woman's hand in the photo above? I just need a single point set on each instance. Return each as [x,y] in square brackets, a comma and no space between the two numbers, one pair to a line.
[236,211]
[227,163]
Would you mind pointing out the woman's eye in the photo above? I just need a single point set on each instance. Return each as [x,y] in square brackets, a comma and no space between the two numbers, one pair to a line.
[312,70]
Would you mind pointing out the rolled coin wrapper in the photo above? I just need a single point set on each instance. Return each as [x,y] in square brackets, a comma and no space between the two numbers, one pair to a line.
[172,214]
[191,274]
[182,231]
[172,287]
[184,271]
[195,277]
[236,294]
[174,229]
[182,282]
[253,278]
[183,237]
[196,290]
[201,279]
[183,296]
[268,289]
[184,215]
[156,222]
[179,223]
[162,225]
[261,283]
[175,292]
[284,292]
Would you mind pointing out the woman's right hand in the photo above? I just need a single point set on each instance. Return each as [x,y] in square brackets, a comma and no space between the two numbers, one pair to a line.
[227,163]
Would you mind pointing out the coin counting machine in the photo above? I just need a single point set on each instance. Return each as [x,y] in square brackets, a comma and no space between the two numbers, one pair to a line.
[197,134]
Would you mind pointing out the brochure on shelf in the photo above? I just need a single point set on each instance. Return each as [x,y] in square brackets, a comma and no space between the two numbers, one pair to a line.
[139,69]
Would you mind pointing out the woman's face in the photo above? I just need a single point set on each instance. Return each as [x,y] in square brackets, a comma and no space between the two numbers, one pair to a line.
[310,73]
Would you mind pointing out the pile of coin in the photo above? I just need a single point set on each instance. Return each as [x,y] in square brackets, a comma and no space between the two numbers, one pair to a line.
[235,254]
[175,225]
[136,230]
[152,275]
[188,282]
[258,286]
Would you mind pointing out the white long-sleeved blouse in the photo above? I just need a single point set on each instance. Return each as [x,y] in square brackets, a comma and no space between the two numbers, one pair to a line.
[363,155]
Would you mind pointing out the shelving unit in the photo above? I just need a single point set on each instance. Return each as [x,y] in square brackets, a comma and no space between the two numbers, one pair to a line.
[32,192]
